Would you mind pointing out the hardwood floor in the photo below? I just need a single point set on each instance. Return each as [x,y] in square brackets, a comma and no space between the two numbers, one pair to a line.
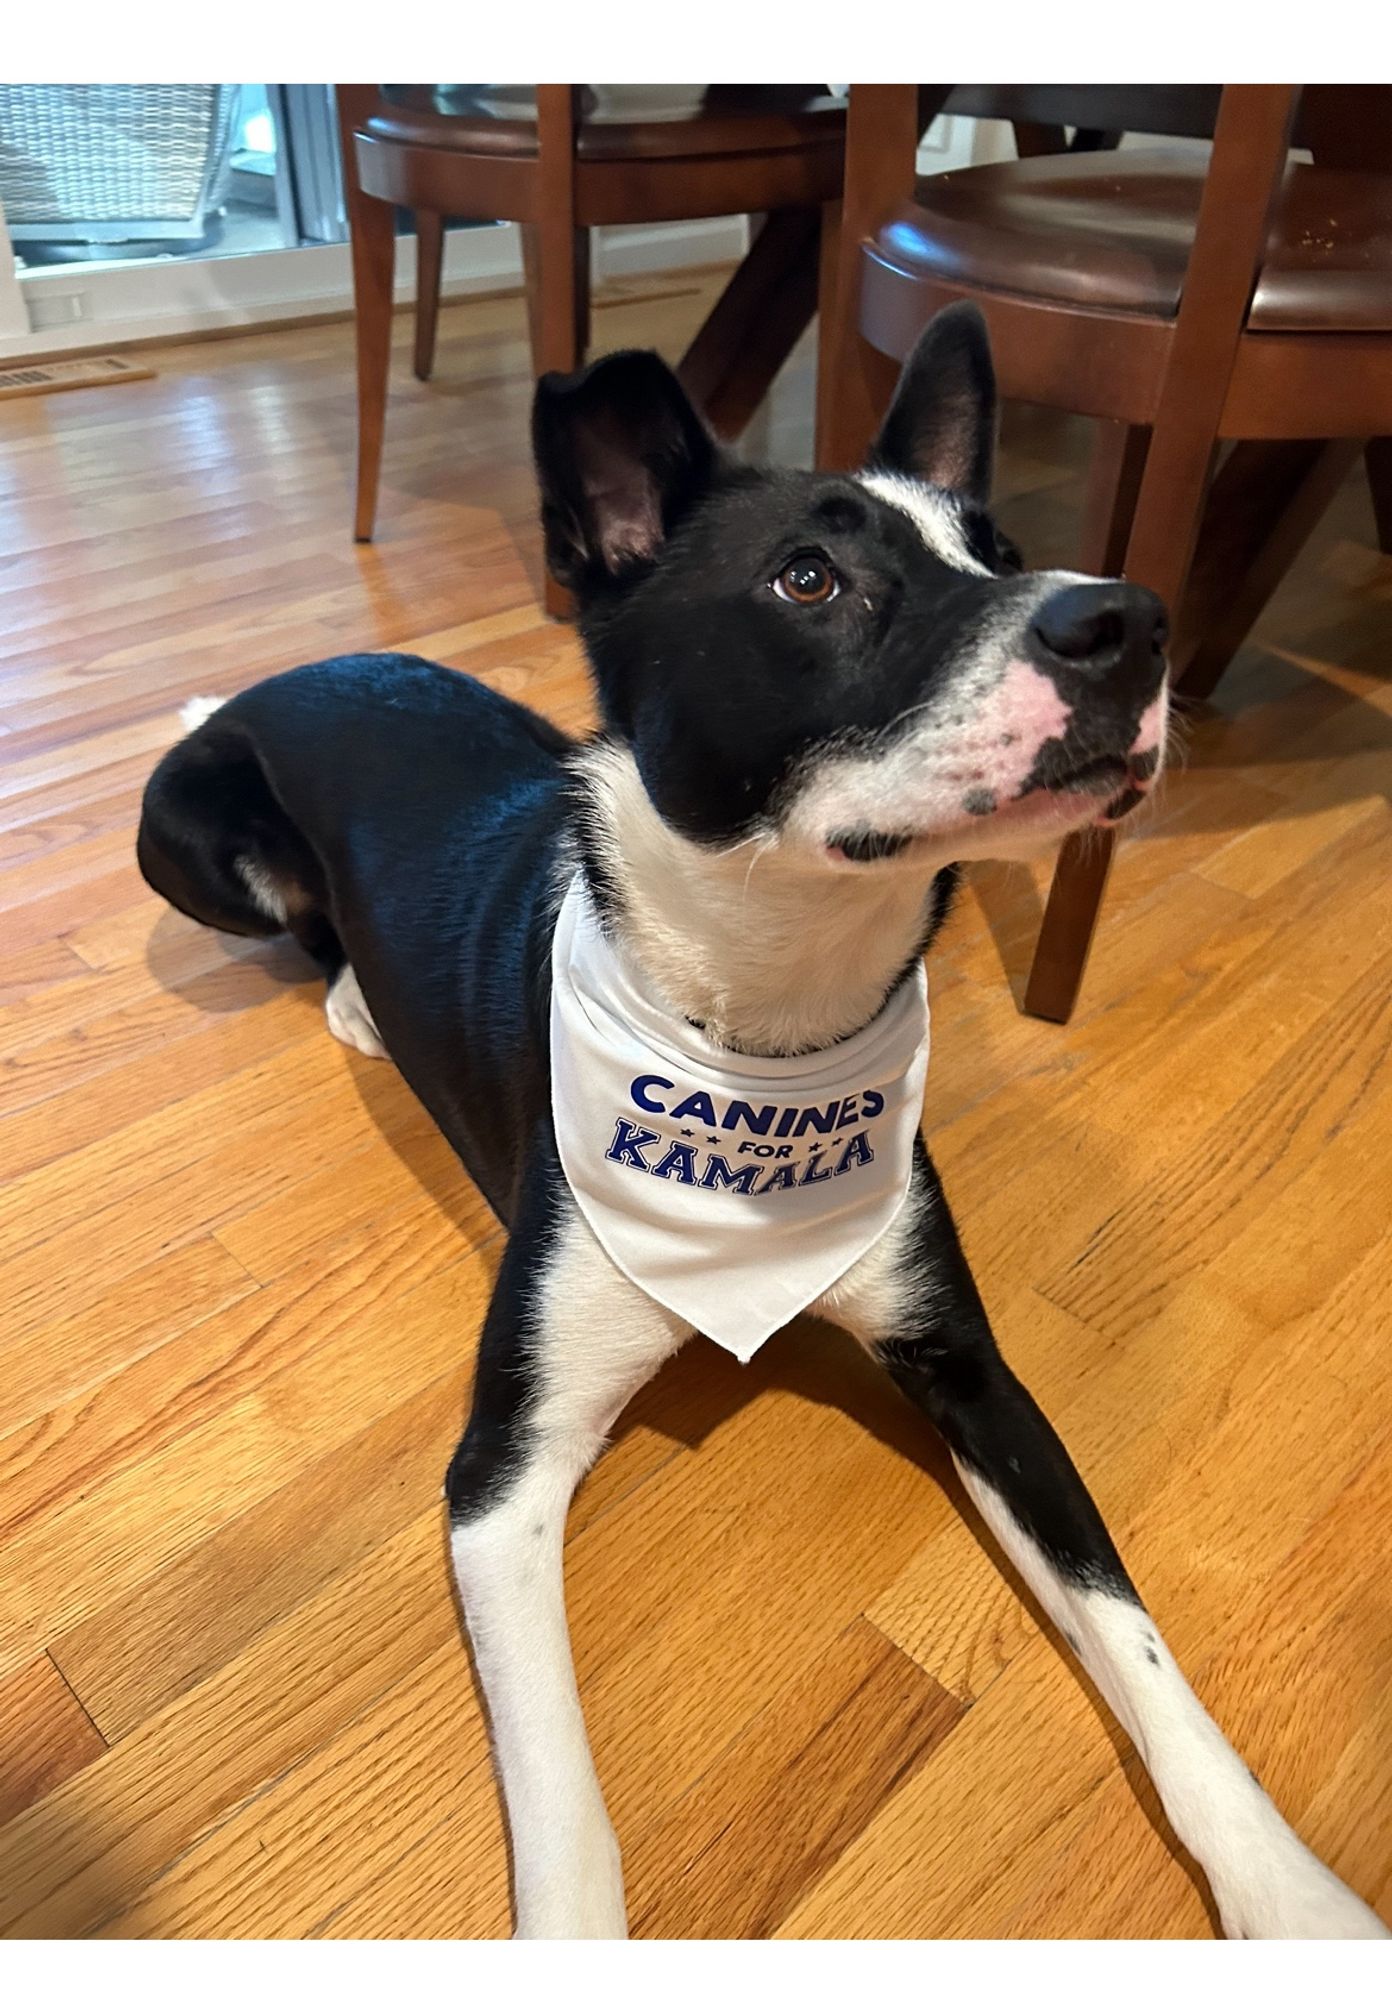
[243,1278]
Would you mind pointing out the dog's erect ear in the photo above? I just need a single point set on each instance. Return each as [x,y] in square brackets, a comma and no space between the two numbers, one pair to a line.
[620,455]
[941,424]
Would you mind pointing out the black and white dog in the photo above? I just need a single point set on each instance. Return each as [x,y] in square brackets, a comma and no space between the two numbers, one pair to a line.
[818,693]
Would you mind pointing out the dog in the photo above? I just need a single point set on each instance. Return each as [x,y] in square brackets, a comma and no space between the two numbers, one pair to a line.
[819,694]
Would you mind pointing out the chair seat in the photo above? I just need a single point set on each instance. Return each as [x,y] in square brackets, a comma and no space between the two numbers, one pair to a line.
[1112,232]
[732,119]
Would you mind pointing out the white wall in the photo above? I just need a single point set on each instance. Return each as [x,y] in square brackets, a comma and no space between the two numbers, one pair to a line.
[70,308]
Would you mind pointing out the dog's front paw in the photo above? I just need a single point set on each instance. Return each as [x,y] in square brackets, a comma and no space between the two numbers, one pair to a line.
[1296,1898]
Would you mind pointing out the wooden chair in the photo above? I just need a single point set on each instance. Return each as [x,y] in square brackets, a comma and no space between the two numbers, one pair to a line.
[1040,114]
[1243,302]
[775,151]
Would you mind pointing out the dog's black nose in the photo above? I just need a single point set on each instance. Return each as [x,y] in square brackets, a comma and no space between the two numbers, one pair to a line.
[1102,625]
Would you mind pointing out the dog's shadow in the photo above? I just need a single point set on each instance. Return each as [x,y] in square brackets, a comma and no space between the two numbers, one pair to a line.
[243,973]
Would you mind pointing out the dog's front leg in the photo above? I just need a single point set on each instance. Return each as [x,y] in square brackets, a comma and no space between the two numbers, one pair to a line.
[567,1342]
[913,1303]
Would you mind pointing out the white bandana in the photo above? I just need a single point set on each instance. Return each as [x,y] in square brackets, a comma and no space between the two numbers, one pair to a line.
[732,1189]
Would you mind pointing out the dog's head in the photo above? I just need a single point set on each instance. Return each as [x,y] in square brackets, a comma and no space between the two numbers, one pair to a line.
[854,666]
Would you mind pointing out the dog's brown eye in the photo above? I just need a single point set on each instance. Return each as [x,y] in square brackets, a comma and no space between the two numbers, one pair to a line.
[807,580]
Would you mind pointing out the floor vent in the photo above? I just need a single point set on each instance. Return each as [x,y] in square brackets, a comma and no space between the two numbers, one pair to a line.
[39,378]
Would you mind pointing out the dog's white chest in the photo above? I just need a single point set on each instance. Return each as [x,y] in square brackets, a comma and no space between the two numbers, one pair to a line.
[734,1190]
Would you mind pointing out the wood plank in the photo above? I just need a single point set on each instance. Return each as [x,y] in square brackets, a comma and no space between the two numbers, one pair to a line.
[35,969]
[45,1736]
[789,1795]
[142,1650]
[76,1858]
[1029,1750]
[131,1318]
[1337,1071]
[260,1390]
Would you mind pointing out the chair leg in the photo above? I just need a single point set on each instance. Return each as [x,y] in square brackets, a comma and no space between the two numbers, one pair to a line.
[1080,875]
[372,234]
[756,322]
[1113,485]
[430,250]
[1264,504]
[1163,520]
[854,384]
[558,314]
[558,303]
[1093,139]
[580,283]
[1378,455]
[531,284]
[828,276]
[1070,918]
[1034,139]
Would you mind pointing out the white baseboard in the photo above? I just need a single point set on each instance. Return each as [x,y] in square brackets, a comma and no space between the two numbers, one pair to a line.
[71,309]
[669,246]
